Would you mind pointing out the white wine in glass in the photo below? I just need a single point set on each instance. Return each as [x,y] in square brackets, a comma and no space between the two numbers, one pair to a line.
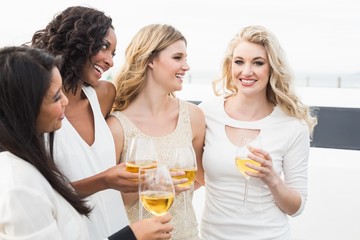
[241,158]
[156,190]
[190,174]
[185,161]
[141,153]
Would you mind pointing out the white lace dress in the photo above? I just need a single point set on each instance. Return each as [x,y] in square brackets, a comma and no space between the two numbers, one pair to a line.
[182,135]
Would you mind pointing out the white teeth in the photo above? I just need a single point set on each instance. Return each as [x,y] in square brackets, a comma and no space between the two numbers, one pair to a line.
[99,69]
[247,81]
[179,76]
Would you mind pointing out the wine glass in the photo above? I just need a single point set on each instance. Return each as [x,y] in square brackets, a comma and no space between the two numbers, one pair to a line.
[185,161]
[241,158]
[141,153]
[156,190]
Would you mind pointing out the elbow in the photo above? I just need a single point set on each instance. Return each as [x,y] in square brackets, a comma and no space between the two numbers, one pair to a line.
[301,207]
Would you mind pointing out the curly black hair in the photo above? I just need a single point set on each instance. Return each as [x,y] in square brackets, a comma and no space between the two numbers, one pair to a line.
[76,34]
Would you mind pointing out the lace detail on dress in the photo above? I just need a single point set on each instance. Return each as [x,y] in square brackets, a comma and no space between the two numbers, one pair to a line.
[182,135]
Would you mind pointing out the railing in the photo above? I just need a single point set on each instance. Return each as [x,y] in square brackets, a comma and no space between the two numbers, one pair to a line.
[337,128]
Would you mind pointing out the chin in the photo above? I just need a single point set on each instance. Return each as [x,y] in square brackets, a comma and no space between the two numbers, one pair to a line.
[57,126]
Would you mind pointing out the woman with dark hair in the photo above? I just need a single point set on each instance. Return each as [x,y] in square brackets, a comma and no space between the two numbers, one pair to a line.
[84,148]
[36,200]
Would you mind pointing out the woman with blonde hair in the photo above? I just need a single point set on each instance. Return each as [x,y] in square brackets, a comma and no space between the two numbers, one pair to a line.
[255,98]
[145,106]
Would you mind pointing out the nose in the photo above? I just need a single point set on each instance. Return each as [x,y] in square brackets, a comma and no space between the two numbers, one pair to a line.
[185,66]
[65,100]
[109,60]
[247,70]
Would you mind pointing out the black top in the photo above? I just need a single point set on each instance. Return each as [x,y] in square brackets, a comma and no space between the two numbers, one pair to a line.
[124,234]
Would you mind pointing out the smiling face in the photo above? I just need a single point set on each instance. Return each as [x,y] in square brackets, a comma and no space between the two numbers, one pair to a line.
[169,66]
[52,106]
[250,69]
[102,61]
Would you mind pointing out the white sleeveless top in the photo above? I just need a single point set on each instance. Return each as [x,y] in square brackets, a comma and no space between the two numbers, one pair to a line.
[182,135]
[78,160]
[286,139]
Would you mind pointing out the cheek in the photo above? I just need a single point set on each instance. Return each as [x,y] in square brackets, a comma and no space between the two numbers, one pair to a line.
[235,69]
[266,73]
[55,113]
[59,108]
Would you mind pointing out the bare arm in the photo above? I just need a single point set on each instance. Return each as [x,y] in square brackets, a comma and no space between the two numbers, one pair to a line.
[198,129]
[118,135]
[287,199]
[113,178]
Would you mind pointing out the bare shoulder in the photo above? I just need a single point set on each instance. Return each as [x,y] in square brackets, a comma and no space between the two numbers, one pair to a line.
[114,125]
[105,91]
[118,134]
[195,112]
[197,119]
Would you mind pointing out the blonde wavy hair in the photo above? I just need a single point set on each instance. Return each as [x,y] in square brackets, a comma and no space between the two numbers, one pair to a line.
[280,87]
[145,45]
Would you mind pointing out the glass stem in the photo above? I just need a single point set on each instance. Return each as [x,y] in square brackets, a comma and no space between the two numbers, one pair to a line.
[185,205]
[140,210]
[246,191]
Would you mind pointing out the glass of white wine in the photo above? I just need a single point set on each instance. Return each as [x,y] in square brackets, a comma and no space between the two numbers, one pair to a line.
[156,190]
[184,161]
[141,153]
[241,158]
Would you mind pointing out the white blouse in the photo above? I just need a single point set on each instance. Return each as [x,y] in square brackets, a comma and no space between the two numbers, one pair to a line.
[30,209]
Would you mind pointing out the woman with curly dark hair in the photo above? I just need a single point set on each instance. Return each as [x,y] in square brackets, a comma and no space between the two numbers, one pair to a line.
[36,199]
[84,147]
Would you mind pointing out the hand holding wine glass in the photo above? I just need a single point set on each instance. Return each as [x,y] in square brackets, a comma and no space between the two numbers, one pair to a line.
[185,161]
[243,162]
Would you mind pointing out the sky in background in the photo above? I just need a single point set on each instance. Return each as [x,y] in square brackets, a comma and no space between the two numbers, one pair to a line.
[318,36]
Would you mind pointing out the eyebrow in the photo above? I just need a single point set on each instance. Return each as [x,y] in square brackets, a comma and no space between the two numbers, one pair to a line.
[180,53]
[253,58]
[108,42]
[261,58]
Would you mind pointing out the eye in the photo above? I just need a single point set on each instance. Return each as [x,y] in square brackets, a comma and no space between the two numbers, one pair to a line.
[104,46]
[238,62]
[259,63]
[58,96]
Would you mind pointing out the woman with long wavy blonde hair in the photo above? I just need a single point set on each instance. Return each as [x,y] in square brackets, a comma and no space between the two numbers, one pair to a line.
[145,106]
[255,99]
